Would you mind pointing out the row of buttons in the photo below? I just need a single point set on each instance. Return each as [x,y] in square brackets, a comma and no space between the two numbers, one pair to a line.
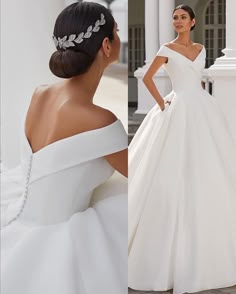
[25,193]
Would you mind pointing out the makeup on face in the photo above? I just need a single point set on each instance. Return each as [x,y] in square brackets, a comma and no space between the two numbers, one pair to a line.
[180,20]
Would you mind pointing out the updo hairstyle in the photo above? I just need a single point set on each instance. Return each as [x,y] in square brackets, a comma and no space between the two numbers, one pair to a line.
[74,19]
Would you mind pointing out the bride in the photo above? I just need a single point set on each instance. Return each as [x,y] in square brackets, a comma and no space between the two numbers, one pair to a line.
[182,179]
[52,241]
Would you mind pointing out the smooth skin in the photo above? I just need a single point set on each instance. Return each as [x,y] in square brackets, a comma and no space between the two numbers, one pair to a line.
[66,108]
[183,44]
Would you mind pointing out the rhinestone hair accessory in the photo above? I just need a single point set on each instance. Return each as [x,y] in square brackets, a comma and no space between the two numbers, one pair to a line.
[69,41]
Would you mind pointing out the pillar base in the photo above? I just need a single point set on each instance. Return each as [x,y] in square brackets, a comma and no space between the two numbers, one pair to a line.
[223,75]
[225,65]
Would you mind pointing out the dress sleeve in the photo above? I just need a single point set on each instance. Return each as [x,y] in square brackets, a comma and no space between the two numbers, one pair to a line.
[113,138]
[163,51]
[101,142]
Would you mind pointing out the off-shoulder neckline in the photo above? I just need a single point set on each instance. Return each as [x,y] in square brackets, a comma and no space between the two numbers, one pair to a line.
[184,55]
[60,141]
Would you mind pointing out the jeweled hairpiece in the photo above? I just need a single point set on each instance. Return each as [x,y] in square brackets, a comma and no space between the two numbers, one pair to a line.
[66,43]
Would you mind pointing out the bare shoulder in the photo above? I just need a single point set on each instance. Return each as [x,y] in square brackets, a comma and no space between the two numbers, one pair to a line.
[101,117]
[169,44]
[198,46]
[38,91]
[172,45]
[75,118]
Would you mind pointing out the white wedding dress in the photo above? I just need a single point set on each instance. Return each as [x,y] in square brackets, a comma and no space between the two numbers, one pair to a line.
[182,189]
[51,240]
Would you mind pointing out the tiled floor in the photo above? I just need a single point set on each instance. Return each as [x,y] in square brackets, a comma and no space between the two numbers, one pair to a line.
[230,290]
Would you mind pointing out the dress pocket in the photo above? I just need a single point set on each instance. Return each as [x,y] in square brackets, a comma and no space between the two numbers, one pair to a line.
[166,107]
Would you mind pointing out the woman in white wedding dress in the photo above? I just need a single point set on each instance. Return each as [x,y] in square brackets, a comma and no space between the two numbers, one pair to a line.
[182,179]
[52,241]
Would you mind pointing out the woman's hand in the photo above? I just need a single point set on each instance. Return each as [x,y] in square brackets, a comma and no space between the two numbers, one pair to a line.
[162,106]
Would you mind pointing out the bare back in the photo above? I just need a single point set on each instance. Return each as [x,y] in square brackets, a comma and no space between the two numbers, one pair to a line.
[53,115]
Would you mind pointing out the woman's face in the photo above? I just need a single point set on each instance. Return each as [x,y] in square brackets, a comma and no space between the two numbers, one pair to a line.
[115,45]
[182,21]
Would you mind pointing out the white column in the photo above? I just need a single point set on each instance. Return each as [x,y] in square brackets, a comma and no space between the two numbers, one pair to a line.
[158,30]
[26,32]
[145,100]
[151,29]
[223,71]
[166,31]
[230,50]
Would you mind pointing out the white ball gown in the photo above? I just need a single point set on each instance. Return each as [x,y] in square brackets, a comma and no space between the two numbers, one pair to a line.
[51,240]
[182,189]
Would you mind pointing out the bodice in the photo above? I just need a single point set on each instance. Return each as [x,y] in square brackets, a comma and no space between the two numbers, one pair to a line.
[59,179]
[185,74]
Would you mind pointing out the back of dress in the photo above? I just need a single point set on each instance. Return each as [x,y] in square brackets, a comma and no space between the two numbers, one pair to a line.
[49,226]
[59,179]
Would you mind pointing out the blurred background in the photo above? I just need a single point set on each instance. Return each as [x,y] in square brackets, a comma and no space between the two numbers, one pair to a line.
[150,26]
[26,46]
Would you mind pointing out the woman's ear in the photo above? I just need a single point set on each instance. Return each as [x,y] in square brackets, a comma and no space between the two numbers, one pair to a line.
[106,47]
[193,22]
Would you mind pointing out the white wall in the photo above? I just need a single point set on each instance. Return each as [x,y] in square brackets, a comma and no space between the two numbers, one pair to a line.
[26,46]
[69,2]
[120,13]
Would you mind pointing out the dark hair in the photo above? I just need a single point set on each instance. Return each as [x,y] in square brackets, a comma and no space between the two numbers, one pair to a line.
[187,9]
[74,19]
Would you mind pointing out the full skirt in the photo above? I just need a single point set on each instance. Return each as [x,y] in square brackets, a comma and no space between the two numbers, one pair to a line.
[182,198]
[86,254]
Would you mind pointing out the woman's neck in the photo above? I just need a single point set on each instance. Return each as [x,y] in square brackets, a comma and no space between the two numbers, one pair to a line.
[184,39]
[84,86]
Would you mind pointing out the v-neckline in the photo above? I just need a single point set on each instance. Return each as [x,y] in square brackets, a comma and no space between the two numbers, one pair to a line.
[34,153]
[185,56]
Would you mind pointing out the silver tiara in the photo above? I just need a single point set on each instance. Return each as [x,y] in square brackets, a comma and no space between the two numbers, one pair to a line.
[66,43]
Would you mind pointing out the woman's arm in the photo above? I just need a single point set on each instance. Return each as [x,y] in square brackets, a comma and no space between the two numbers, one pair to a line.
[119,161]
[148,79]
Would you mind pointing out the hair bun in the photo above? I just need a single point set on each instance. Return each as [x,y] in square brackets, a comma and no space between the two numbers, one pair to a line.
[68,63]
